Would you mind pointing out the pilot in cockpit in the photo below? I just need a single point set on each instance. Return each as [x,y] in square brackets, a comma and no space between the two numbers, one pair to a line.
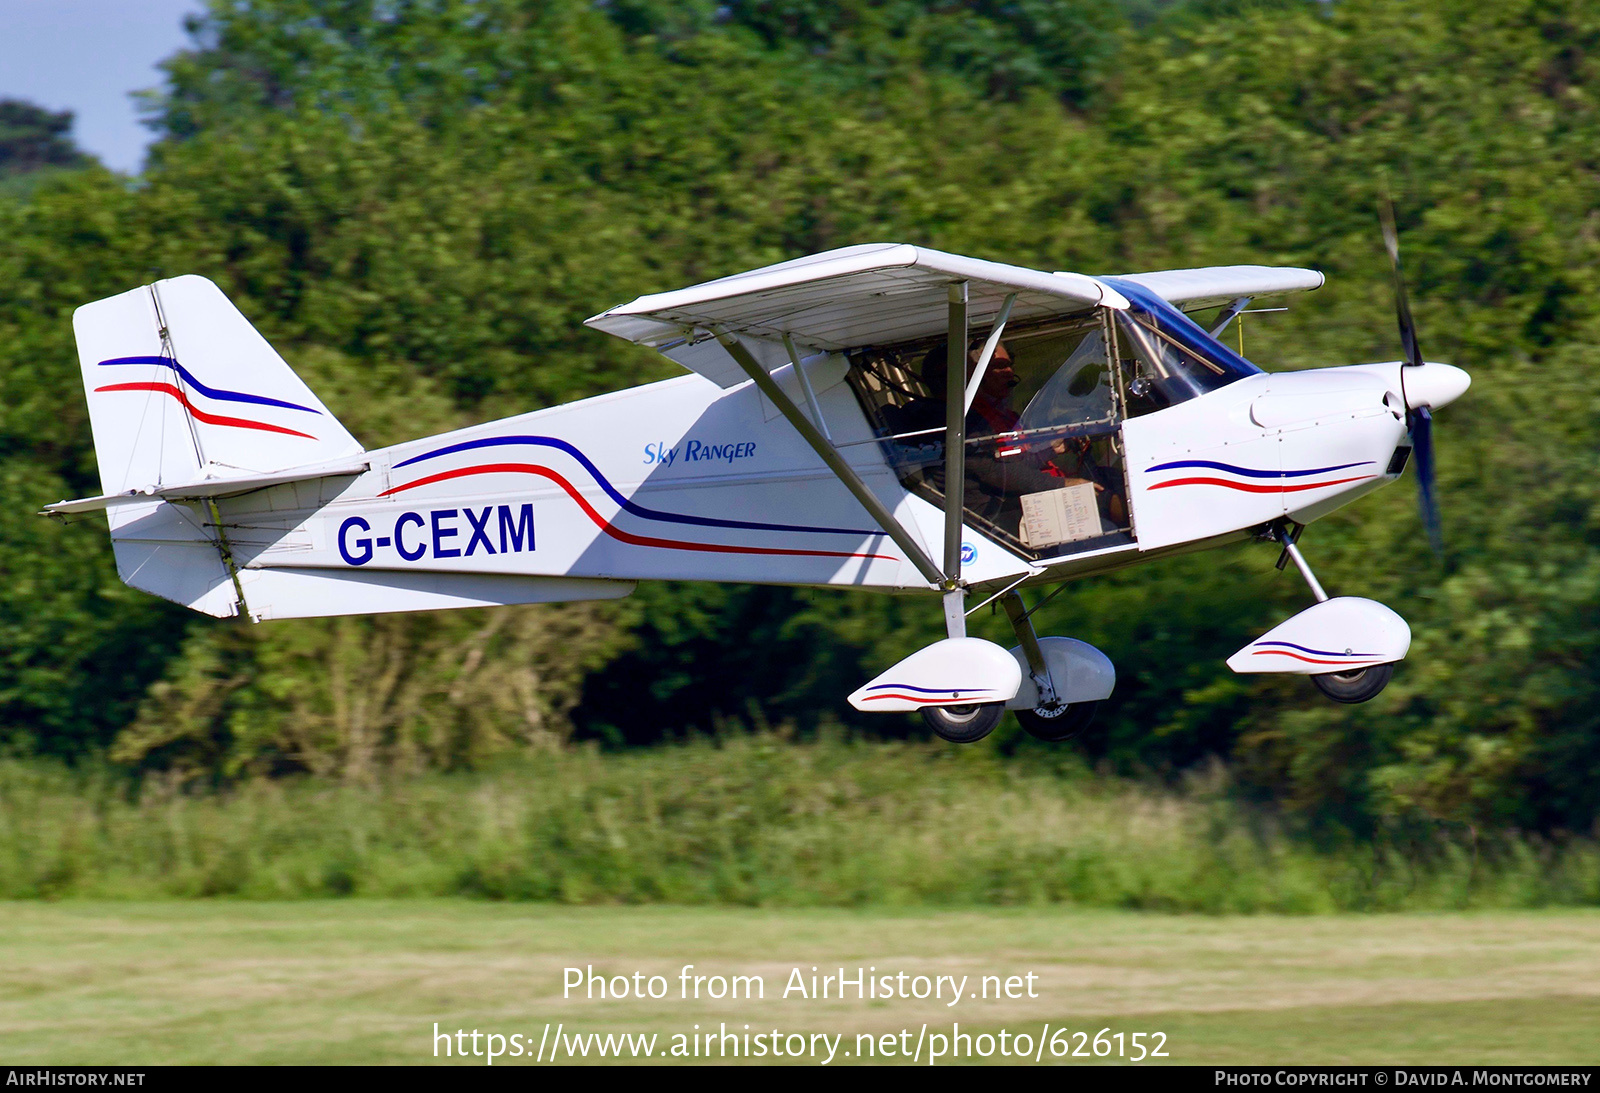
[1005,466]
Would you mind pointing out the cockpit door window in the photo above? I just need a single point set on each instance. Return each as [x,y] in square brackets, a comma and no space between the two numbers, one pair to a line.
[1044,480]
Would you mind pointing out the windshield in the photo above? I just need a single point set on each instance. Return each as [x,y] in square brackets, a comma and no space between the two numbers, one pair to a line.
[1174,358]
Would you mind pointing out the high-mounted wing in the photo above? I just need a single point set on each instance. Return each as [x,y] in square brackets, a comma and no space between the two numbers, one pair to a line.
[1210,285]
[872,294]
[746,326]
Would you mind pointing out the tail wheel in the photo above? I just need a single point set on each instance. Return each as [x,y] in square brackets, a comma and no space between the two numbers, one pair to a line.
[1059,723]
[963,724]
[1356,686]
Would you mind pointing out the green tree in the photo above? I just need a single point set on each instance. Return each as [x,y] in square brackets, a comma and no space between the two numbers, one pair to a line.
[32,138]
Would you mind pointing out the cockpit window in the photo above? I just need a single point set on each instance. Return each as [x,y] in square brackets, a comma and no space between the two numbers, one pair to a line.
[1043,460]
[1079,392]
[1174,360]
[1044,463]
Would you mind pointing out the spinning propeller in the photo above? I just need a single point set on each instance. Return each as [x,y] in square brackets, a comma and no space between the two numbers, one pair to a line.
[1419,420]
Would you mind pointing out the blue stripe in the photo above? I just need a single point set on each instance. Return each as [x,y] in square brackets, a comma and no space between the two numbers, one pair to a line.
[1249,472]
[926,690]
[615,494]
[210,392]
[1318,652]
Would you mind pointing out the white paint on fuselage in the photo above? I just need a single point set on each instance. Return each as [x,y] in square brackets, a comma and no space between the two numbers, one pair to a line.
[696,461]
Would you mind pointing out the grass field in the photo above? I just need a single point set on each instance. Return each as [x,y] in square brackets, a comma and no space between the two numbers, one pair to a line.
[750,822]
[363,981]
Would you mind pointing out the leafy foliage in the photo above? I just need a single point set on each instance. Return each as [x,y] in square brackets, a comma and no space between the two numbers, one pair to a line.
[360,696]
[753,821]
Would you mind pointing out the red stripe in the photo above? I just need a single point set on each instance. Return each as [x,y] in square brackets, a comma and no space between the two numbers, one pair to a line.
[1308,660]
[201,415]
[1248,487]
[926,701]
[605,525]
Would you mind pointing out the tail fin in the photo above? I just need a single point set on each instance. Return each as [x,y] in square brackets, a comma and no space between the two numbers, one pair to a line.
[181,389]
[181,386]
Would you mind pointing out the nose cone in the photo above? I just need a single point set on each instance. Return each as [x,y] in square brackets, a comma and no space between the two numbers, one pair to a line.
[1434,385]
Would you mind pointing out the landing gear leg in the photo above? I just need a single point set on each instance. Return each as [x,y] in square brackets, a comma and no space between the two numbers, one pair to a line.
[955,613]
[1017,612]
[1052,719]
[961,724]
[1288,534]
[1347,687]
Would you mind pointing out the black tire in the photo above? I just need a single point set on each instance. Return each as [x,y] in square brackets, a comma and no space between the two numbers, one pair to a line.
[1356,686]
[1062,723]
[963,724]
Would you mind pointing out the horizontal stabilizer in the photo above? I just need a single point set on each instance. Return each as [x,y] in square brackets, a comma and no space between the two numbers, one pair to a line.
[208,487]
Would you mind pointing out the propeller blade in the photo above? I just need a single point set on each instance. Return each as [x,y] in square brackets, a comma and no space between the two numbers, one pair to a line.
[1402,305]
[1420,422]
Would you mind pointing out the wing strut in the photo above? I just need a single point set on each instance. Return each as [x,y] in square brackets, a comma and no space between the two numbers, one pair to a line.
[1229,314]
[955,461]
[830,455]
[989,346]
[805,383]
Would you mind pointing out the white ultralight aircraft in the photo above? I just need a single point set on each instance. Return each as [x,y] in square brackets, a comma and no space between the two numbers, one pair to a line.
[1093,422]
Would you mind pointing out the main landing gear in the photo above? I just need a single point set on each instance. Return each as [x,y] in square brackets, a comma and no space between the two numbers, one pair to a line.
[963,724]
[962,686]
[1355,686]
[1063,721]
[1051,718]
[1058,685]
